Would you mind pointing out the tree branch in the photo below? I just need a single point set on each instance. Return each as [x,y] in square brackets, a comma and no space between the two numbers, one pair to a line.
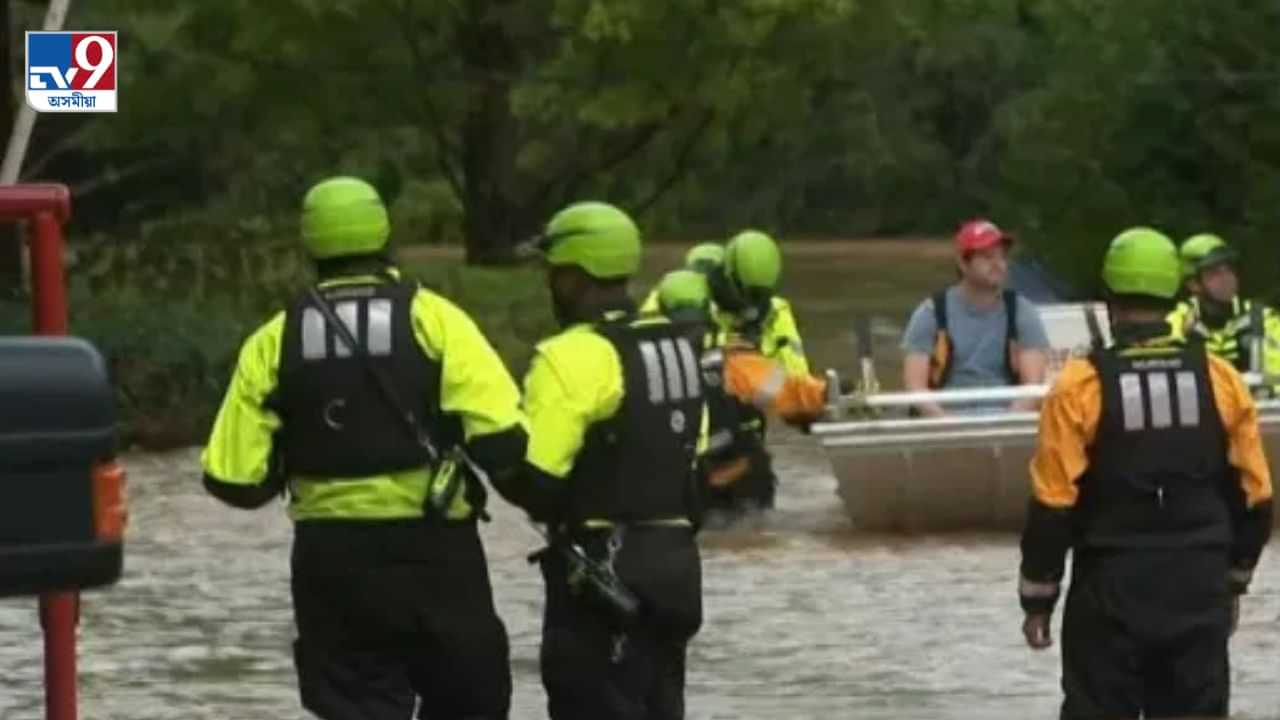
[568,135]
[404,18]
[56,149]
[114,177]
[685,154]
[681,167]
[576,172]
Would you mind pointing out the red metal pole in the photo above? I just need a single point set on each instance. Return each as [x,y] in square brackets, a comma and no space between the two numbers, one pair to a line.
[59,612]
[48,286]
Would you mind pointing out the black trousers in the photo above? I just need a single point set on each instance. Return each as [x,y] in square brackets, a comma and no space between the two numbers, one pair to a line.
[393,613]
[1145,635]
[592,670]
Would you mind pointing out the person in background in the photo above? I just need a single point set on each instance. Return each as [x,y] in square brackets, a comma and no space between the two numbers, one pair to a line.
[744,294]
[1243,332]
[704,258]
[746,305]
[975,333]
[738,380]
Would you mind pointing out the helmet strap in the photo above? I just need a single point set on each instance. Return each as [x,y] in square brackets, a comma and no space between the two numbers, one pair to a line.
[1212,312]
[724,291]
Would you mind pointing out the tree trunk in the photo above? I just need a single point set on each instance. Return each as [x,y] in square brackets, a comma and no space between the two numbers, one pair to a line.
[11,246]
[494,219]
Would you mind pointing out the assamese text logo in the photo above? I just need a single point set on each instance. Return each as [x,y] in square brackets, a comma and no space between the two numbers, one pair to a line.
[71,71]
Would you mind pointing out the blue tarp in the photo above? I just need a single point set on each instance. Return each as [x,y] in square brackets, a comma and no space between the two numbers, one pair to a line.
[1037,283]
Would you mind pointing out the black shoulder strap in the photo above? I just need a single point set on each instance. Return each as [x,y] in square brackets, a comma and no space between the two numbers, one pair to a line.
[1103,360]
[940,310]
[942,366]
[1011,315]
[1010,335]
[1095,329]
[1106,365]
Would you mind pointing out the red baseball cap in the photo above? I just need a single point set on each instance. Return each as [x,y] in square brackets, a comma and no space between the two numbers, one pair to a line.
[980,234]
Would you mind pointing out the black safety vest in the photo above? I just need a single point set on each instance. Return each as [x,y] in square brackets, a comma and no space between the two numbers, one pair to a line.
[1158,474]
[336,424]
[639,464]
[942,361]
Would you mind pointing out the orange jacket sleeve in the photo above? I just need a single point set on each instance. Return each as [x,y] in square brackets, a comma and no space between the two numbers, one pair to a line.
[1068,422]
[760,381]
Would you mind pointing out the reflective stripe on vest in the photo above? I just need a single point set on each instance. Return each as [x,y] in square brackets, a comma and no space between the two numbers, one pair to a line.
[638,465]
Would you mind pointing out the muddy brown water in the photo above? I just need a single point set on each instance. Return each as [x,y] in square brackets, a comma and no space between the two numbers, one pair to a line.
[805,619]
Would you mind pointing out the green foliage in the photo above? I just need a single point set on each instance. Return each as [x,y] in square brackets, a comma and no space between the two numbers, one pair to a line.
[169,362]
[511,305]
[1064,120]
[1067,119]
[170,320]
[427,213]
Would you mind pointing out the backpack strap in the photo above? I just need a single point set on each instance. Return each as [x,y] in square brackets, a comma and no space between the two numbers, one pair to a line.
[940,310]
[942,360]
[1010,335]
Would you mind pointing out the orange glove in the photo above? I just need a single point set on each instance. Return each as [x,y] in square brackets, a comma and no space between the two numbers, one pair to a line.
[726,474]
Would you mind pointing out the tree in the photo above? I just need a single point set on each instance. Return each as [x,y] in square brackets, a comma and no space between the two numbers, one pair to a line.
[519,106]
[11,251]
[1067,119]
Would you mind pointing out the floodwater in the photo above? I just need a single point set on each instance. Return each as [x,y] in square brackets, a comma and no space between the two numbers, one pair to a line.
[805,619]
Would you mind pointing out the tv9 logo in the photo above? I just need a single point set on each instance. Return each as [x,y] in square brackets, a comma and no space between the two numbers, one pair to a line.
[71,71]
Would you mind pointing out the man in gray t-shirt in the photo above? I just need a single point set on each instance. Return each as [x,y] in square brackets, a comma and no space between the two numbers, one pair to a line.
[978,327]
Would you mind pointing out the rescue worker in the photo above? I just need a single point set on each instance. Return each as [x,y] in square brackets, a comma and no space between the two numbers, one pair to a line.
[746,304]
[1214,311]
[1150,469]
[683,298]
[737,379]
[745,291]
[975,333]
[390,586]
[703,258]
[616,412]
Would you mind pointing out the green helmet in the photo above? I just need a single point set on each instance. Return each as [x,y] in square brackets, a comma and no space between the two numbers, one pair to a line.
[683,289]
[343,216]
[704,256]
[595,236]
[1142,261]
[1203,251]
[753,260]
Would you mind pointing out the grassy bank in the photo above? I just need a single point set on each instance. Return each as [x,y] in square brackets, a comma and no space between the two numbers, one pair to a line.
[829,283]
[171,324]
